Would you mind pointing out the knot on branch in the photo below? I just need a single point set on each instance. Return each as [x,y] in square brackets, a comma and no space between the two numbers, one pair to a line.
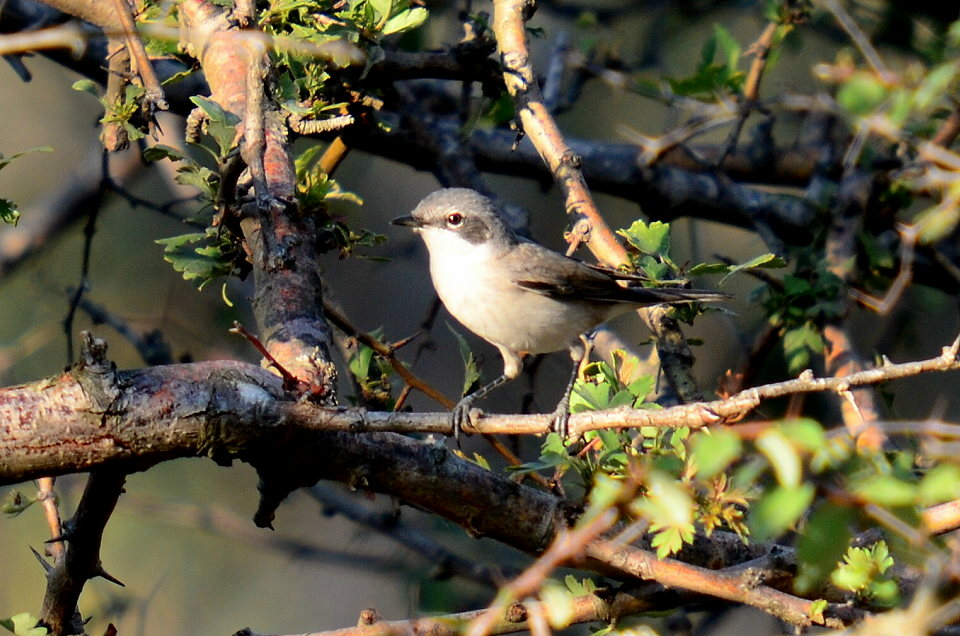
[97,374]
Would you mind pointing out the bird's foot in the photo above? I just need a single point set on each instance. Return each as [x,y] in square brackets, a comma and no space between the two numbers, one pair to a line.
[461,416]
[561,419]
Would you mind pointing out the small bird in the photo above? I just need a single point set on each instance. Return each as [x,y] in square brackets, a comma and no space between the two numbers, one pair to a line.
[520,296]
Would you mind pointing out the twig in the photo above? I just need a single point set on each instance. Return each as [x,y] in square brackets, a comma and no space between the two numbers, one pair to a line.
[729,586]
[153,98]
[567,545]
[751,87]
[949,129]
[387,353]
[584,609]
[412,380]
[859,38]
[89,230]
[68,36]
[51,511]
[152,346]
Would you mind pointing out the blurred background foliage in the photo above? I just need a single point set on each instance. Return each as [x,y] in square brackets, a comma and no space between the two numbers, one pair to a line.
[183,576]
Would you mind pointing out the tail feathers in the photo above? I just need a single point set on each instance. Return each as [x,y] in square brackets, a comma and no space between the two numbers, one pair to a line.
[671,295]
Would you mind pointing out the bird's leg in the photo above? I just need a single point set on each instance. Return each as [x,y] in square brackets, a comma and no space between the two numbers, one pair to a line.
[561,414]
[461,412]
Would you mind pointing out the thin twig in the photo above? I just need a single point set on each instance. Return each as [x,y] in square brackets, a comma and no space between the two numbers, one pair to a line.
[859,38]
[153,97]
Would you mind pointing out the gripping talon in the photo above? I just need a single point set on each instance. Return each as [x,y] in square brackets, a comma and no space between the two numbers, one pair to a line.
[460,415]
[561,420]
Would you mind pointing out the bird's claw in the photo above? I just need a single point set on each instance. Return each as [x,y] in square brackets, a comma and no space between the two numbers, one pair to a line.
[459,417]
[561,420]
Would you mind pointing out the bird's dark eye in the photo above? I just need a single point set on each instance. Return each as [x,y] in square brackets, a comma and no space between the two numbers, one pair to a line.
[454,219]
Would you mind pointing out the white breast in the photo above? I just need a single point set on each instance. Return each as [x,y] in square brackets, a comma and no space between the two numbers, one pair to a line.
[481,295]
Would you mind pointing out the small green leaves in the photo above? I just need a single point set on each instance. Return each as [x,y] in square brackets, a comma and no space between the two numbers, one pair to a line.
[711,76]
[24,624]
[9,213]
[221,124]
[120,111]
[201,256]
[558,602]
[798,344]
[863,571]
[670,510]
[764,261]
[372,375]
[652,239]
[189,173]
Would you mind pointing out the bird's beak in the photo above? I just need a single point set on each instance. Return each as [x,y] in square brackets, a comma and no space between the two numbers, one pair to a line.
[407,221]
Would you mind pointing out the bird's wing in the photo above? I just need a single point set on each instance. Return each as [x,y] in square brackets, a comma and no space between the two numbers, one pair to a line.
[550,273]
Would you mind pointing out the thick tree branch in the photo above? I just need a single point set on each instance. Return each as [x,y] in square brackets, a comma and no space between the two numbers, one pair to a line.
[225,409]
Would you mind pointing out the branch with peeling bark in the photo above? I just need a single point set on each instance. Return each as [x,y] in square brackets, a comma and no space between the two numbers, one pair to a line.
[223,409]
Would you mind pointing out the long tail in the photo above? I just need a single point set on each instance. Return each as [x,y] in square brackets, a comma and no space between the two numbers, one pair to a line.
[674,295]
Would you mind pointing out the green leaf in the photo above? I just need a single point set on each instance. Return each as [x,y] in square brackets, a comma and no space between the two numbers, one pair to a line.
[588,396]
[862,93]
[653,239]
[197,256]
[471,371]
[862,571]
[86,86]
[157,152]
[778,510]
[15,503]
[934,86]
[783,457]
[713,451]
[729,47]
[359,363]
[222,124]
[798,343]
[405,20]
[5,161]
[24,624]
[670,510]
[579,588]
[701,269]
[804,433]
[764,261]
[940,484]
[823,541]
[887,490]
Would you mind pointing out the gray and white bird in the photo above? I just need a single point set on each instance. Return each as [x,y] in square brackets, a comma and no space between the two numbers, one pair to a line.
[520,296]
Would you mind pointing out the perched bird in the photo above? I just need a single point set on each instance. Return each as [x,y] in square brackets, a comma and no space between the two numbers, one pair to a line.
[516,294]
